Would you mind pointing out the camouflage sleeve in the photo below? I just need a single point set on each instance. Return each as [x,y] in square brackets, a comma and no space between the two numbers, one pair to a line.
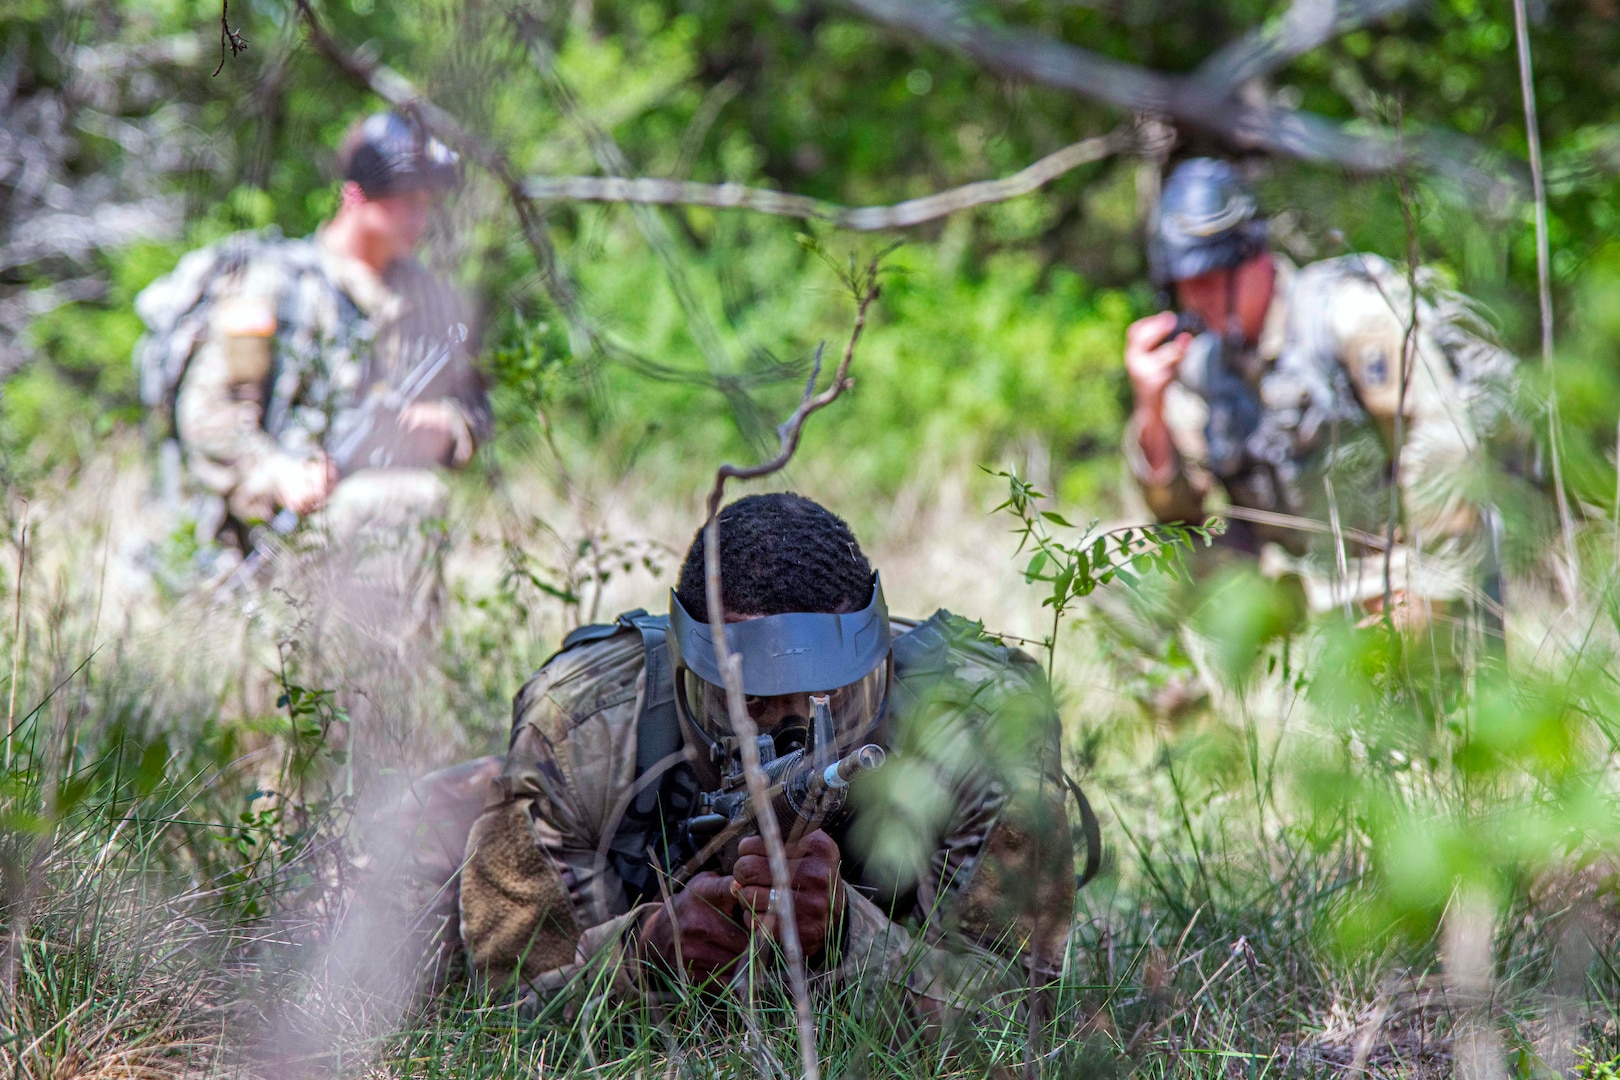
[1009,862]
[1441,463]
[219,410]
[539,898]
[411,853]
[1177,493]
[999,883]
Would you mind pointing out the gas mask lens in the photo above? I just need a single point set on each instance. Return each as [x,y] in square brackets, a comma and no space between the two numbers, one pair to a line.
[786,717]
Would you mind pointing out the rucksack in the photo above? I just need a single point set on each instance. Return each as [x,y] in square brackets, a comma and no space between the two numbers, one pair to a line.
[920,657]
[1310,368]
[176,308]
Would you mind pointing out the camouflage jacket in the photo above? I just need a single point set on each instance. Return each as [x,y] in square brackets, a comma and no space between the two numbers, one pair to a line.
[290,341]
[985,867]
[1327,372]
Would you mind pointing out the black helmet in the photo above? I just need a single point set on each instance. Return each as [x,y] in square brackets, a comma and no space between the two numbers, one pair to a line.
[388,154]
[1207,220]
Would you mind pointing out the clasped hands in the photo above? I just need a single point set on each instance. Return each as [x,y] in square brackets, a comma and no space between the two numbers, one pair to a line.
[714,913]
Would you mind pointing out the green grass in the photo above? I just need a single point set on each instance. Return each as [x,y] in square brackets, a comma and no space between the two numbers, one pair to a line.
[181,849]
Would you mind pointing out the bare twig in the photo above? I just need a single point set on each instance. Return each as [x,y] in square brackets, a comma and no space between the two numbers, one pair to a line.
[1190,100]
[16,636]
[228,38]
[1304,524]
[1532,134]
[605,149]
[1365,539]
[618,189]
[1307,25]
[1408,347]
[730,664]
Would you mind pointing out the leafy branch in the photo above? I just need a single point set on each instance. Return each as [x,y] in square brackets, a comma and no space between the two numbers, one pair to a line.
[1075,569]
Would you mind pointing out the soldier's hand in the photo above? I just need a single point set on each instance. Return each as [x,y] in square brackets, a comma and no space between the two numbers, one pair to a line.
[439,432]
[1152,356]
[818,891]
[705,917]
[303,486]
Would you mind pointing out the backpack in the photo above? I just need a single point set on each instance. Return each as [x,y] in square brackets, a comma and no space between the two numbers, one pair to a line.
[920,657]
[1486,372]
[1309,367]
[176,309]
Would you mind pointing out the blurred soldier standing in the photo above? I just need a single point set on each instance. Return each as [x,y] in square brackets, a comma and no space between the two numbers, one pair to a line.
[267,353]
[1290,389]
[917,886]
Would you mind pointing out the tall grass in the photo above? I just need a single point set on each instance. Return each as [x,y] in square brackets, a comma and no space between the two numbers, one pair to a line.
[1299,867]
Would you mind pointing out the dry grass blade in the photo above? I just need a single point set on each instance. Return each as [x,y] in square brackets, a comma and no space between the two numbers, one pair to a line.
[1532,134]
[16,635]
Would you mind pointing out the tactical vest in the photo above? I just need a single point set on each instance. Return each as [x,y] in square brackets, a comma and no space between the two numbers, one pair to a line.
[663,801]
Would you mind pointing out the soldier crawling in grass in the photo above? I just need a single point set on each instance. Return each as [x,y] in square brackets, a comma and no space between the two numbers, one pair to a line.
[945,865]
[265,355]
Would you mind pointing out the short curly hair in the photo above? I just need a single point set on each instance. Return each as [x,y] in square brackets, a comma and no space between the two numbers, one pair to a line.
[779,553]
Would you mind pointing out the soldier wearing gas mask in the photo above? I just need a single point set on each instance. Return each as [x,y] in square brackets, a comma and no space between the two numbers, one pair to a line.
[598,844]
[1283,386]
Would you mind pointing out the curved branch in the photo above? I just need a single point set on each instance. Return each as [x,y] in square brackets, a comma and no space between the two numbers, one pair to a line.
[584,338]
[1032,57]
[1307,25]
[643,191]
[609,157]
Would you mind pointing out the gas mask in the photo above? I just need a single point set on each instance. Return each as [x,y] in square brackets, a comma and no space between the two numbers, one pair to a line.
[786,659]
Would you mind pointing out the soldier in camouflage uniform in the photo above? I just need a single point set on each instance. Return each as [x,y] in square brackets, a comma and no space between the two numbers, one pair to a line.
[269,350]
[1284,386]
[928,886]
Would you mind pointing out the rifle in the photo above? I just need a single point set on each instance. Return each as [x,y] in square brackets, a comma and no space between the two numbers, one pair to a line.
[807,786]
[1234,407]
[361,437]
[361,441]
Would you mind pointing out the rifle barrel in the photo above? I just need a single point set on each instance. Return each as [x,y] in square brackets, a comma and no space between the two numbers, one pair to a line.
[803,799]
[861,759]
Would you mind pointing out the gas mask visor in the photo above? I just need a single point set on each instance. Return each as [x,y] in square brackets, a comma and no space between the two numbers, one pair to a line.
[785,659]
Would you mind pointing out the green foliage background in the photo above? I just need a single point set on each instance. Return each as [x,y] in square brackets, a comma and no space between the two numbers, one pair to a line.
[1005,326]
[1329,847]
